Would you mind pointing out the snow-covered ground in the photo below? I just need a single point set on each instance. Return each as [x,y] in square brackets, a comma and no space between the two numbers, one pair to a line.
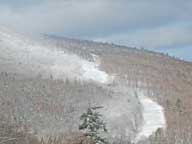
[153,115]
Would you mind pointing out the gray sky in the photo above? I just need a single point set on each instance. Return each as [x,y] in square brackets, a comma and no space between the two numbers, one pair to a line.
[164,25]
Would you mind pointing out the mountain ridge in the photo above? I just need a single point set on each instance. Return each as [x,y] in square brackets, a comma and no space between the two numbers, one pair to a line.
[46,84]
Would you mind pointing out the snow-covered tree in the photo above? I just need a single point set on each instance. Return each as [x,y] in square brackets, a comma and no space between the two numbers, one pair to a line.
[93,126]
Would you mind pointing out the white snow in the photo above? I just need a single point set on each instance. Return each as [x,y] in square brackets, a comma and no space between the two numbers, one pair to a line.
[74,67]
[153,115]
[92,72]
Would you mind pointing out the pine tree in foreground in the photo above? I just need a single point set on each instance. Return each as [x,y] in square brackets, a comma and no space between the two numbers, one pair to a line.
[93,126]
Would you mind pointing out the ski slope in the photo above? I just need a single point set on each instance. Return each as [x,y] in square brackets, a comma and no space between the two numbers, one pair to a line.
[153,115]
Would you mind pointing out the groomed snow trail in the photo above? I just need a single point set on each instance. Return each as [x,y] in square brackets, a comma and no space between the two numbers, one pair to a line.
[153,115]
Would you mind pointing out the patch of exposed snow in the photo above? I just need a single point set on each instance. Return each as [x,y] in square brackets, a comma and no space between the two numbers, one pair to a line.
[92,72]
[153,115]
[74,67]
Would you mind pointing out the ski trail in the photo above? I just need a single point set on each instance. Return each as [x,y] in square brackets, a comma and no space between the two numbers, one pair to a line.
[153,115]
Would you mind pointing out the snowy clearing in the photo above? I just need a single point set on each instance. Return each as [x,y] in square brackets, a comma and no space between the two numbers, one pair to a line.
[153,115]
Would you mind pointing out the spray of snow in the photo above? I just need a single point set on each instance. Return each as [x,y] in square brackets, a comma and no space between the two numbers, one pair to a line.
[58,63]
[74,67]
[153,115]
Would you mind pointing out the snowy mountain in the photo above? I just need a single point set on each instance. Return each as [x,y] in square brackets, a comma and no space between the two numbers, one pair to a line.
[46,84]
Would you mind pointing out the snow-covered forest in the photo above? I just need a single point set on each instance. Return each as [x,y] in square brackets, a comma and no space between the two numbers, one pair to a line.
[46,84]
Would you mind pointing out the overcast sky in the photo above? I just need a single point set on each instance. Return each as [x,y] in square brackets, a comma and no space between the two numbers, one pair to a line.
[162,25]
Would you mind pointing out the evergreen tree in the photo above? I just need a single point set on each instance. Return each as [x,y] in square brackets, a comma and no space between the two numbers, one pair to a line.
[93,126]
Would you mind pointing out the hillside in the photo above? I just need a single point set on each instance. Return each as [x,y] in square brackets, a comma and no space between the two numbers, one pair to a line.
[46,84]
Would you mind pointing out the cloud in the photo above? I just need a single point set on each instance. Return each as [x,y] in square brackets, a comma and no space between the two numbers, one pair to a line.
[147,23]
[86,17]
[168,36]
